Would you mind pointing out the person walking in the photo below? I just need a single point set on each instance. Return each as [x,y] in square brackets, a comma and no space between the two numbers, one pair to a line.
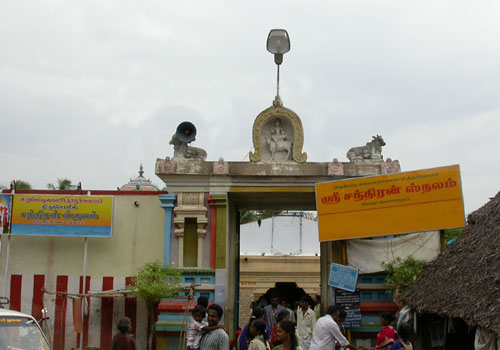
[285,304]
[306,320]
[284,315]
[286,336]
[317,306]
[257,330]
[327,331]
[245,335]
[272,310]
[123,340]
[216,339]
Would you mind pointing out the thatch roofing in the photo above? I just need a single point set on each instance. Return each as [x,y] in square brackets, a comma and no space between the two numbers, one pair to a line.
[464,280]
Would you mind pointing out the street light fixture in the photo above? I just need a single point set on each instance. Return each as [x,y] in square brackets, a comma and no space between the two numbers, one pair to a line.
[278,43]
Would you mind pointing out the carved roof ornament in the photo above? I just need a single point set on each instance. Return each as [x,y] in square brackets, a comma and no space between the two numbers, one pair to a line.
[221,167]
[391,166]
[166,166]
[335,168]
[278,135]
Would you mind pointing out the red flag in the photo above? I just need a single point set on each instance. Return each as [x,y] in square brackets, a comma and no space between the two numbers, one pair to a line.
[77,315]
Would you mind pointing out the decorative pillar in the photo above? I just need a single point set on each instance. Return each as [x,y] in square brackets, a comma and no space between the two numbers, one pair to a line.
[167,203]
[220,201]
[201,234]
[179,233]
[190,205]
[213,230]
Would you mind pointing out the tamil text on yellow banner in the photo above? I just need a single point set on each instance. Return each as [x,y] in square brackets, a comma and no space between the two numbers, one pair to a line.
[413,201]
[47,215]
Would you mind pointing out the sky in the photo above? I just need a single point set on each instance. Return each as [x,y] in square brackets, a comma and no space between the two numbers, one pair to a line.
[89,90]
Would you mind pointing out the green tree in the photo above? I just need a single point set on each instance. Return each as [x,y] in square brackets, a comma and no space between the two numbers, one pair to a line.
[402,273]
[62,184]
[452,233]
[153,283]
[22,185]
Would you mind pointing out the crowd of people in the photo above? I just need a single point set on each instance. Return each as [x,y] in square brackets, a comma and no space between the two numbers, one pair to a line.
[274,328]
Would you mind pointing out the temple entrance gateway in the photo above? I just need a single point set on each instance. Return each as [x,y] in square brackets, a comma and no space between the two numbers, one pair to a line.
[207,196]
[279,254]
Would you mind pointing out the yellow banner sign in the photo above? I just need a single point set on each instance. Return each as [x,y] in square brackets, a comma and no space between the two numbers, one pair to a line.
[47,215]
[422,200]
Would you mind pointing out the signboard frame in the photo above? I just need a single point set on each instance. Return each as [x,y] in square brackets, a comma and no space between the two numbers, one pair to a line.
[341,295]
[353,318]
[390,204]
[55,228]
[343,277]
[5,214]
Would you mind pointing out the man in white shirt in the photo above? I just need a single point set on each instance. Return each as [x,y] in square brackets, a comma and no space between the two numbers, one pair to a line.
[327,331]
[306,320]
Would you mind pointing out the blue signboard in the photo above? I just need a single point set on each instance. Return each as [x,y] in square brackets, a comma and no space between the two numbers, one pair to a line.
[343,277]
[353,319]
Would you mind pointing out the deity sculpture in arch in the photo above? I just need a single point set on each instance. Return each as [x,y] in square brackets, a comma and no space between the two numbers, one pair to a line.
[278,135]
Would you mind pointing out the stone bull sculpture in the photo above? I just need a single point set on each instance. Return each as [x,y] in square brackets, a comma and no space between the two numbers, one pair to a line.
[371,152]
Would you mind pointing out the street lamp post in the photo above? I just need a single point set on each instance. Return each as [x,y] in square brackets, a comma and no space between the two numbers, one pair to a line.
[278,43]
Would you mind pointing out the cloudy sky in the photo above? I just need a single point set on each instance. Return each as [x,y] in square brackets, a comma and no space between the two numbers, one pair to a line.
[91,89]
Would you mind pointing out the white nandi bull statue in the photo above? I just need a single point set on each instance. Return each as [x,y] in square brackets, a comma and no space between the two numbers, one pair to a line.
[182,151]
[371,152]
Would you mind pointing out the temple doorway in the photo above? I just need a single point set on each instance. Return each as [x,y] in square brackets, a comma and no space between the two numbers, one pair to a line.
[287,291]
[279,256]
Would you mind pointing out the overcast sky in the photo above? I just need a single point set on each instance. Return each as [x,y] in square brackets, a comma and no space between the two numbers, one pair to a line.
[91,89]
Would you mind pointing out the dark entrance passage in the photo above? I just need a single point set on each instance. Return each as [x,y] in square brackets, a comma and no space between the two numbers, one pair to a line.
[288,291]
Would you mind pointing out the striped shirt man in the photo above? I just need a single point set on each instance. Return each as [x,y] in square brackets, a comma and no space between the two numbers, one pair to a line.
[215,340]
[218,338]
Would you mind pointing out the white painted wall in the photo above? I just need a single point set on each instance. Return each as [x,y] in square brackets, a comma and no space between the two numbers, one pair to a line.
[280,235]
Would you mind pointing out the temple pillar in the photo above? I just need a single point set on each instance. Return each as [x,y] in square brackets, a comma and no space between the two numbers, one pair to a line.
[167,203]
[190,205]
[220,202]
[213,230]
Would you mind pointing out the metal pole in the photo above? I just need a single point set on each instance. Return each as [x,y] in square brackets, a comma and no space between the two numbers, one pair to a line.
[84,286]
[5,274]
[278,82]
[7,253]
[300,247]
[272,232]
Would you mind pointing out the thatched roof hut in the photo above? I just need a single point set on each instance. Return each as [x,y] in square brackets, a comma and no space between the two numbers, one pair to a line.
[464,281]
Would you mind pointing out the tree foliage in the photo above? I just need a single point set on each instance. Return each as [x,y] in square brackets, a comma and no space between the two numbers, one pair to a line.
[155,282]
[402,273]
[62,184]
[452,233]
[22,185]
